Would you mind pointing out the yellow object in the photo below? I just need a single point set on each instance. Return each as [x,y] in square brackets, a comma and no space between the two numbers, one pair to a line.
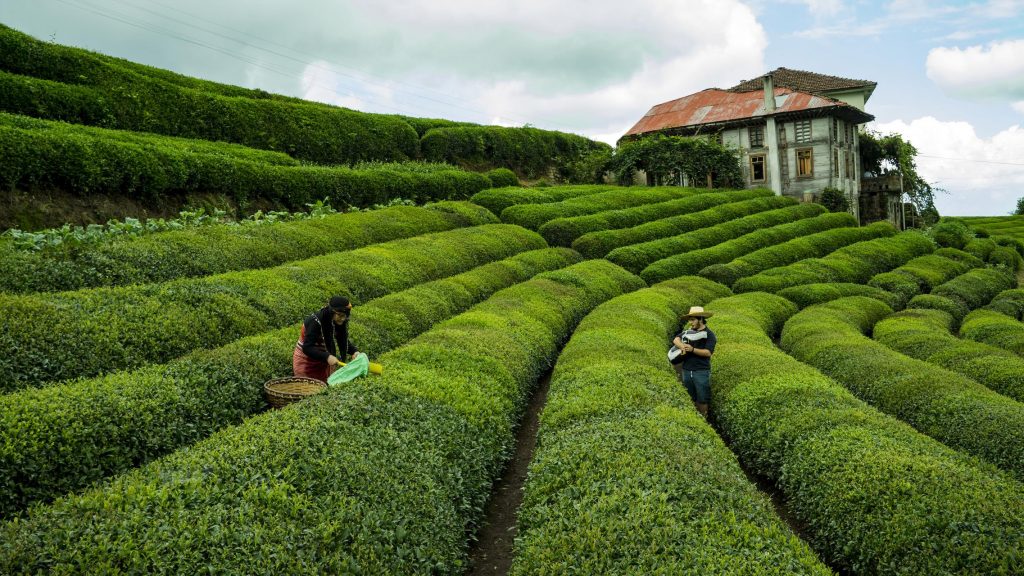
[374,368]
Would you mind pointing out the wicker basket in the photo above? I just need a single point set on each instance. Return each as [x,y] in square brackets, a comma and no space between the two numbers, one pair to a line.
[281,392]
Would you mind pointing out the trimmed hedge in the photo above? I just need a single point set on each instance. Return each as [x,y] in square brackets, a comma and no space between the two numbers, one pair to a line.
[533,216]
[63,438]
[502,177]
[919,275]
[926,335]
[563,231]
[639,256]
[806,295]
[83,164]
[210,250]
[968,291]
[991,327]
[1009,302]
[747,254]
[872,495]
[497,199]
[855,263]
[627,478]
[381,476]
[949,407]
[599,244]
[97,331]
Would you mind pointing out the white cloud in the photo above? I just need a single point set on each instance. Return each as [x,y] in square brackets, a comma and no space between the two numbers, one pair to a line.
[1018,106]
[824,8]
[996,70]
[983,176]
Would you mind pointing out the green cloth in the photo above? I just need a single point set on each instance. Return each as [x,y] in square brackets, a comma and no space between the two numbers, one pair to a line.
[354,369]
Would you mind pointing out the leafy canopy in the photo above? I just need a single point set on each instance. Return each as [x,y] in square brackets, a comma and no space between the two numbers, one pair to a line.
[666,158]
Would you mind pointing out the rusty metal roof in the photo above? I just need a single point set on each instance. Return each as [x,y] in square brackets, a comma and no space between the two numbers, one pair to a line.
[803,81]
[715,106]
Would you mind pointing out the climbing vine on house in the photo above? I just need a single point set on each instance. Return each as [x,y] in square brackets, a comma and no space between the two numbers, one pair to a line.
[666,158]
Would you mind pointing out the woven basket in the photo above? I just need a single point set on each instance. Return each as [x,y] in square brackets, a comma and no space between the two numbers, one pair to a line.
[281,392]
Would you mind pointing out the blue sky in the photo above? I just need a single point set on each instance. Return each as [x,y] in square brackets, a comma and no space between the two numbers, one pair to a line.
[950,74]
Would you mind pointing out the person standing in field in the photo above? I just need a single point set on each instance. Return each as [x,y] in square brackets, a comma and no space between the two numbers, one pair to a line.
[314,355]
[696,345]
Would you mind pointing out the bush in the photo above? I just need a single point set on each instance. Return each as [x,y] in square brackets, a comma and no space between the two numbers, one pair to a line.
[563,231]
[727,261]
[502,177]
[601,243]
[382,477]
[222,248]
[955,309]
[533,216]
[951,234]
[834,199]
[854,263]
[663,496]
[1009,302]
[991,327]
[497,199]
[809,294]
[102,330]
[640,256]
[920,274]
[977,287]
[63,438]
[951,408]
[869,492]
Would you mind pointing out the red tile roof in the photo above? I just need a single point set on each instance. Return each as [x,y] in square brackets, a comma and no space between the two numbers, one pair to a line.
[714,106]
[803,81]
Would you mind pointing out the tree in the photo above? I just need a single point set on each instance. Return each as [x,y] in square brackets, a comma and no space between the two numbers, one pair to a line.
[834,200]
[1020,207]
[885,154]
[667,158]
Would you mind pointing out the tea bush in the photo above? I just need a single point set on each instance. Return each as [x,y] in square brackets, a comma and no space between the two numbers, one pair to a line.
[949,407]
[1009,302]
[920,274]
[806,295]
[871,495]
[502,177]
[533,216]
[497,199]
[99,330]
[621,446]
[385,476]
[600,243]
[994,328]
[63,438]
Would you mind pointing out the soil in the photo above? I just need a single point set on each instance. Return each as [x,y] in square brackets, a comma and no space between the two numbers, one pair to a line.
[492,552]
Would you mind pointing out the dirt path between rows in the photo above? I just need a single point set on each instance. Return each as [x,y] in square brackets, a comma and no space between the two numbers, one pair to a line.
[491,554]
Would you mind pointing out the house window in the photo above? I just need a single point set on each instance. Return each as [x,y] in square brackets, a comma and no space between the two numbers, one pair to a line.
[835,163]
[835,130]
[720,139]
[804,163]
[849,134]
[756,134]
[757,173]
[850,172]
[803,131]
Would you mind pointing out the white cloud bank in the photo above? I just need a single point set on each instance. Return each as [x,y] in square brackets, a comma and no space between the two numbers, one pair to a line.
[992,71]
[982,176]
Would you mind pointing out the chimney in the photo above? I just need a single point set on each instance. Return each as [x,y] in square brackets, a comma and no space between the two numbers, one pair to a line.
[769,94]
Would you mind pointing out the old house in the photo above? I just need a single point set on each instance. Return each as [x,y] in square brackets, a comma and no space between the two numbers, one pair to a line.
[796,131]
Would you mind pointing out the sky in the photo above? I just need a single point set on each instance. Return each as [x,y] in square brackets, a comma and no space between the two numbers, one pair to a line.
[950,74]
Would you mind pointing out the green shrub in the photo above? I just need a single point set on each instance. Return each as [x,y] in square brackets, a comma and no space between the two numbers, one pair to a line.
[809,294]
[497,199]
[980,247]
[926,335]
[949,407]
[1009,302]
[602,243]
[533,216]
[1006,257]
[63,438]
[834,199]
[952,307]
[640,256]
[107,329]
[991,327]
[854,263]
[563,231]
[869,492]
[502,177]
[920,274]
[977,287]
[214,249]
[970,260]
[386,476]
[951,234]
[621,446]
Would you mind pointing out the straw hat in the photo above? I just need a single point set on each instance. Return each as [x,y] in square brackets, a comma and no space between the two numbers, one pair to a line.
[697,312]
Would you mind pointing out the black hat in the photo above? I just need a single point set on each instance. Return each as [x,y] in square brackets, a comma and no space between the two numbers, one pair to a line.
[339,304]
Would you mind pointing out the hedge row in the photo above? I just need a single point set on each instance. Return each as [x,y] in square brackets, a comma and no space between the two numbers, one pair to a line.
[600,243]
[627,478]
[63,438]
[872,495]
[855,263]
[951,408]
[530,151]
[1009,302]
[1004,251]
[96,331]
[760,249]
[926,335]
[720,225]
[222,248]
[78,162]
[497,199]
[919,275]
[806,295]
[381,476]
[563,231]
[966,292]
[533,216]
[994,328]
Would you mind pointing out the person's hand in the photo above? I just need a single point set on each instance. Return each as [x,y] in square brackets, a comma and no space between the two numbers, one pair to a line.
[678,343]
[354,355]
[687,348]
[332,360]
